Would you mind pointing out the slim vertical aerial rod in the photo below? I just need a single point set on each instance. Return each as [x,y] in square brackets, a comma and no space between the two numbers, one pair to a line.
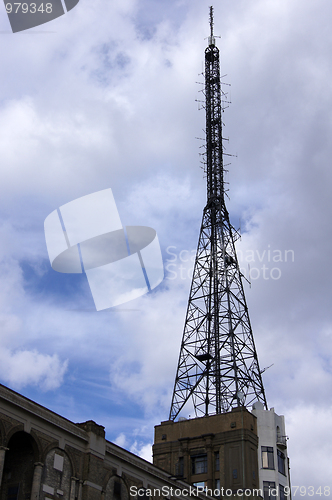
[218,367]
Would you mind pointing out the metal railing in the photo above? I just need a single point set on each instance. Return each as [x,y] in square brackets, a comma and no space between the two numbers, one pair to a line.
[282,440]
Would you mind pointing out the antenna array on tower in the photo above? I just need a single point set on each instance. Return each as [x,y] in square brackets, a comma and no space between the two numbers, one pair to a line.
[218,367]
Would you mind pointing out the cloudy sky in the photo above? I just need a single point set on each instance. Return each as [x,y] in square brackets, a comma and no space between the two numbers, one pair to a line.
[104,97]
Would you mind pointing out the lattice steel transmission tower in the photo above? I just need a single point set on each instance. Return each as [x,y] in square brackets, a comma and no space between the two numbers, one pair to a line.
[218,367]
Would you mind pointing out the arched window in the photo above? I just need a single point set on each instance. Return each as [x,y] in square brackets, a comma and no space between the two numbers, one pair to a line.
[57,472]
[19,466]
[116,489]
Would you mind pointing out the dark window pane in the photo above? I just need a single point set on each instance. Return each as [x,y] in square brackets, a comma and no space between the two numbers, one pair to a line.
[267,457]
[199,464]
[282,492]
[217,464]
[269,491]
[281,462]
[117,490]
[179,468]
[13,493]
[142,494]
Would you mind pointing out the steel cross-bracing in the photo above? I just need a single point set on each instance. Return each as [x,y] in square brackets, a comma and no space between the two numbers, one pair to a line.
[218,367]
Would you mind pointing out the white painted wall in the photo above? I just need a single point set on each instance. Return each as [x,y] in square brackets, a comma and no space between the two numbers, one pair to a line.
[269,426]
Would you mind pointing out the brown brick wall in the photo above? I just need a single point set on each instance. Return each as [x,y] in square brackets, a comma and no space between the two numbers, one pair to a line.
[233,435]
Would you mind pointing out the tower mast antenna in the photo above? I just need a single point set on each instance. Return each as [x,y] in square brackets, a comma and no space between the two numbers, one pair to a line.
[211,20]
[218,367]
[211,38]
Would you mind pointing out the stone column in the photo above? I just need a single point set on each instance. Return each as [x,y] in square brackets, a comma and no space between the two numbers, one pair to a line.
[35,490]
[80,487]
[73,488]
[222,465]
[2,460]
[186,461]
[210,464]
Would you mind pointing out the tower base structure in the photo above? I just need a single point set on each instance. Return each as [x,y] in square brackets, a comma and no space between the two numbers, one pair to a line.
[216,451]
[236,451]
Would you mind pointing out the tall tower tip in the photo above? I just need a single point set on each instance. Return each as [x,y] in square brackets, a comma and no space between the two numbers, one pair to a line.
[212,40]
[211,19]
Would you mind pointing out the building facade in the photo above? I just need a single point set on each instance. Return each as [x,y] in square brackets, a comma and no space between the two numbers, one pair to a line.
[44,456]
[238,450]
[274,469]
[215,451]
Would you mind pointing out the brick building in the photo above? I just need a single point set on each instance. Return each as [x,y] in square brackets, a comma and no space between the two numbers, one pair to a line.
[238,450]
[214,451]
[44,456]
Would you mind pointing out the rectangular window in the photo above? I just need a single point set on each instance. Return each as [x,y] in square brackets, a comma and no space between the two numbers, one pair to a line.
[199,464]
[269,490]
[281,462]
[179,467]
[216,460]
[282,492]
[267,457]
[13,493]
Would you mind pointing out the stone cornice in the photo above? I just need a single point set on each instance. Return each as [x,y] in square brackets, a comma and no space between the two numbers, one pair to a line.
[41,412]
[142,464]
